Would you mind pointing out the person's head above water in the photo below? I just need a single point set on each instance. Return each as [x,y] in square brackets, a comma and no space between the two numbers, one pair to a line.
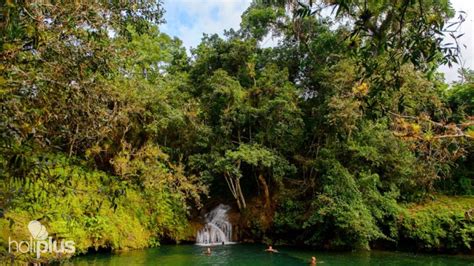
[313,258]
[270,249]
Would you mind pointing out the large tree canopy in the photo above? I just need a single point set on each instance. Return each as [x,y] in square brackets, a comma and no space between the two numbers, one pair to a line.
[341,136]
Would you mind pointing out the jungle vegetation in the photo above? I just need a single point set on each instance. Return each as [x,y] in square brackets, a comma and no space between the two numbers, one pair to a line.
[342,136]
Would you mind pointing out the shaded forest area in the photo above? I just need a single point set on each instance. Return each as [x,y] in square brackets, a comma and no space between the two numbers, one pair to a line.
[342,136]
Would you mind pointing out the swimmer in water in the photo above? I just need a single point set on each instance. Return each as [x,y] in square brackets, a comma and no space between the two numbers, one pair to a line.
[270,249]
[208,251]
[313,261]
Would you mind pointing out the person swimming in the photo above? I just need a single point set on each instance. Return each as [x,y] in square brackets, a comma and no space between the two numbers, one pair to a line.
[313,261]
[208,251]
[271,249]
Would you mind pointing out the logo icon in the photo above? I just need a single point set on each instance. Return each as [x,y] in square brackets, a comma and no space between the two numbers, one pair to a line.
[37,230]
[40,242]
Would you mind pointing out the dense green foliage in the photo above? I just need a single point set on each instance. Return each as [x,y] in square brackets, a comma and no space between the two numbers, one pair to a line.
[338,137]
[438,225]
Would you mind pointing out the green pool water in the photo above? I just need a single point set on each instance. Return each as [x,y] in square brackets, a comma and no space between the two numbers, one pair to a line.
[249,255]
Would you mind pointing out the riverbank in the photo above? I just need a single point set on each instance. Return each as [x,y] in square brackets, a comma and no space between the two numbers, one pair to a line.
[440,225]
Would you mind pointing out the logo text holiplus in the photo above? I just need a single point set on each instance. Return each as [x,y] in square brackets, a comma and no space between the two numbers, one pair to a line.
[39,242]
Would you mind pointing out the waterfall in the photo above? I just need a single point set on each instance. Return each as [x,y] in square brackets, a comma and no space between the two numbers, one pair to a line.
[218,229]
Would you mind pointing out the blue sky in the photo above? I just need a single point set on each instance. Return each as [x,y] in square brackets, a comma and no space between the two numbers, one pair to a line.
[189,19]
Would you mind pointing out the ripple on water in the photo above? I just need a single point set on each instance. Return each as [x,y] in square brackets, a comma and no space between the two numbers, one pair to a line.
[250,255]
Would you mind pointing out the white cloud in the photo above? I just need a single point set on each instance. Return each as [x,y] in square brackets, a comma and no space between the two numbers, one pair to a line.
[189,19]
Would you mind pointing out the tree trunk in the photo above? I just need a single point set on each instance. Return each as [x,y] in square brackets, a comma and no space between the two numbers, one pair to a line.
[240,194]
[234,187]
[230,183]
[266,191]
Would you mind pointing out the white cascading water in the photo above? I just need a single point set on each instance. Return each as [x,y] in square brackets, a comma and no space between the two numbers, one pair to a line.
[218,229]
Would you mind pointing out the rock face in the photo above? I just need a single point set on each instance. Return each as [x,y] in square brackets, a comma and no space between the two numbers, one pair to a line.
[217,229]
